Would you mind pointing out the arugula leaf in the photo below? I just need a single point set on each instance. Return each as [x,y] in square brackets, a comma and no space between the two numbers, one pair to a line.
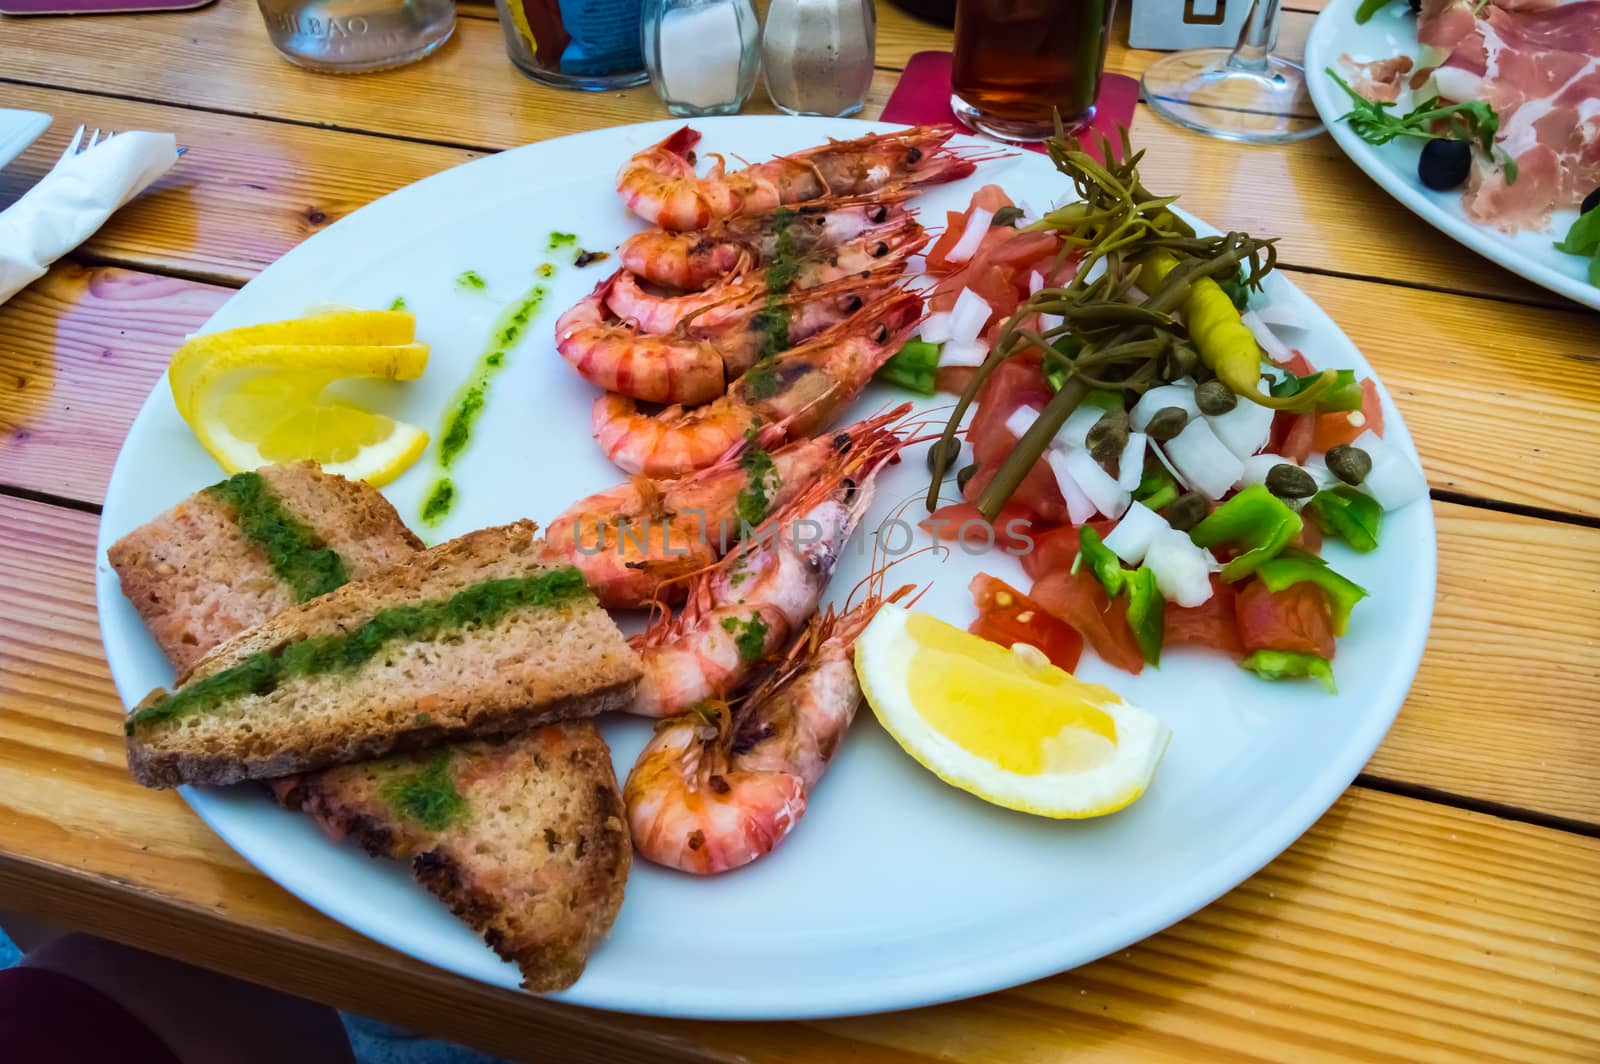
[1584,239]
[1369,8]
[1471,120]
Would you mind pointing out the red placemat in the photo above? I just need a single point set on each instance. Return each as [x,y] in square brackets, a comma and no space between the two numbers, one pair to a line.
[923,97]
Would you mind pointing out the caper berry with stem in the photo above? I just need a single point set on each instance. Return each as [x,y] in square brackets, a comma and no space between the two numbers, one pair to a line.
[1350,464]
[1288,481]
[943,454]
[1186,511]
[964,476]
[1214,397]
[1167,423]
[1108,437]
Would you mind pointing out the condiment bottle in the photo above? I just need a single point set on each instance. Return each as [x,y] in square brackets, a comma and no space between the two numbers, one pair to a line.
[701,54]
[818,55]
[574,44]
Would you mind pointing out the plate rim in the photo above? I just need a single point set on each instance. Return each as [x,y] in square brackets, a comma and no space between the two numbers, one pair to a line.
[1480,239]
[1051,954]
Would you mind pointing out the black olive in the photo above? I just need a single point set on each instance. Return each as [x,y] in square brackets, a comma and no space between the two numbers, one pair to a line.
[1590,202]
[1444,163]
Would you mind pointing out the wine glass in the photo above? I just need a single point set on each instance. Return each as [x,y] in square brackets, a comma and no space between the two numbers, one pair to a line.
[1244,94]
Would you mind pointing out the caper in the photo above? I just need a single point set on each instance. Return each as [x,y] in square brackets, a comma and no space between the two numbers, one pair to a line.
[1006,215]
[1109,437]
[1167,423]
[943,454]
[1349,464]
[1214,397]
[1186,511]
[1181,362]
[964,476]
[1288,481]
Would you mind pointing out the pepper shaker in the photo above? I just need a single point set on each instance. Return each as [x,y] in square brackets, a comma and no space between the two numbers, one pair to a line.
[701,54]
[818,55]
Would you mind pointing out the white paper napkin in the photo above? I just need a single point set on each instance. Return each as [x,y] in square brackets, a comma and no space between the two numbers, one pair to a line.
[74,200]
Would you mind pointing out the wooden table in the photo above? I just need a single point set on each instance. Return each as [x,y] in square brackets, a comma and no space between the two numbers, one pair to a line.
[1446,908]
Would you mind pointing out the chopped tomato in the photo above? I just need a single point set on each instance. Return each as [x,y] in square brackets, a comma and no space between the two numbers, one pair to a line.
[1055,549]
[1014,383]
[1291,436]
[1309,538]
[962,522]
[1298,365]
[1080,600]
[1211,624]
[991,198]
[1007,616]
[953,379]
[1294,619]
[1341,427]
[1009,247]
[1038,493]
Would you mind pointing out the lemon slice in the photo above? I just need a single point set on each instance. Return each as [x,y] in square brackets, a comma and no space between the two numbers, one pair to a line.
[364,328]
[1004,723]
[256,396]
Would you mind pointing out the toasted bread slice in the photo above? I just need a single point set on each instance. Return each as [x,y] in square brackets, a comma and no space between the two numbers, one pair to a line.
[199,574]
[475,637]
[523,838]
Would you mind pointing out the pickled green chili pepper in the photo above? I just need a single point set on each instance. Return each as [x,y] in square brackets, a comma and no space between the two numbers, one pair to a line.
[1156,488]
[1343,395]
[1288,665]
[1146,607]
[1226,344]
[1341,592]
[1146,612]
[1351,515]
[1255,520]
[913,367]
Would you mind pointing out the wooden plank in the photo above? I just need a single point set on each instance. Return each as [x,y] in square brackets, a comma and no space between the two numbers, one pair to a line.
[1502,413]
[1395,930]
[82,349]
[1329,214]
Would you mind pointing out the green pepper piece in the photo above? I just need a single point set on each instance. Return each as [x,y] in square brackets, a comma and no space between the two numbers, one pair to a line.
[1351,515]
[1156,488]
[1287,665]
[1369,8]
[1146,612]
[1344,395]
[912,367]
[1254,519]
[1342,593]
[1107,567]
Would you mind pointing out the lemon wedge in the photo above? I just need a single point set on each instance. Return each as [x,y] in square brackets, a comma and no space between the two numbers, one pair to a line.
[1003,723]
[256,396]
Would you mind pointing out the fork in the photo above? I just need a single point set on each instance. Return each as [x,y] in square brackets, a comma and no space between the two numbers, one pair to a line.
[77,145]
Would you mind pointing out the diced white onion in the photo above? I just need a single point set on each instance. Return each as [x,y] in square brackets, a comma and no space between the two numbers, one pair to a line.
[1035,282]
[1130,466]
[1161,456]
[1075,430]
[1029,215]
[1101,487]
[1203,460]
[967,354]
[1183,570]
[1158,399]
[1274,347]
[1257,466]
[971,237]
[1244,429]
[1134,533]
[1394,481]
[1079,508]
[1280,318]
[1021,420]
[1051,321]
[936,327]
[968,316]
[1317,466]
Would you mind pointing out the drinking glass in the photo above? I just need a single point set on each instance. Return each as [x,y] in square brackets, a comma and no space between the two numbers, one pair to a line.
[352,36]
[1245,94]
[1019,62]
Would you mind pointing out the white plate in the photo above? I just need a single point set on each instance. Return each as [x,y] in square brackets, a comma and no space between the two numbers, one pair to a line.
[18,129]
[896,890]
[1392,32]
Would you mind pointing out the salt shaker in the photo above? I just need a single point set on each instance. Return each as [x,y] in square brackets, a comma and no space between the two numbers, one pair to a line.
[818,55]
[701,54]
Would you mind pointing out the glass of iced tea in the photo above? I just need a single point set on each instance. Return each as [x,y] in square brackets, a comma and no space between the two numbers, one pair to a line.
[1020,62]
